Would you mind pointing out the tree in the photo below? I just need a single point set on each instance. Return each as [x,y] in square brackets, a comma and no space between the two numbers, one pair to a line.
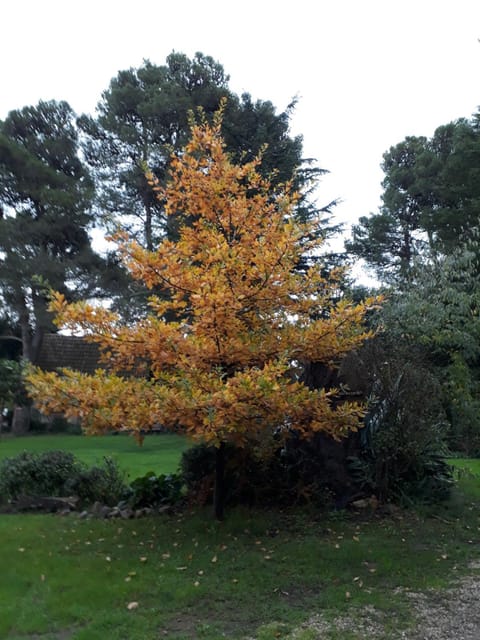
[431,199]
[224,370]
[144,115]
[389,240]
[438,313]
[45,195]
[141,117]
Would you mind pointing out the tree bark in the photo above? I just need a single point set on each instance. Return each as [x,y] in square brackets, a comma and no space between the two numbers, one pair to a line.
[219,490]
[21,420]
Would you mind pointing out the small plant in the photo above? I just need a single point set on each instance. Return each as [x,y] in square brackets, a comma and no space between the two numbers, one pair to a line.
[101,483]
[151,490]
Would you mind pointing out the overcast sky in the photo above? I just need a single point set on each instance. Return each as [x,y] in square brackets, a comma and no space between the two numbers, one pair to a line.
[367,72]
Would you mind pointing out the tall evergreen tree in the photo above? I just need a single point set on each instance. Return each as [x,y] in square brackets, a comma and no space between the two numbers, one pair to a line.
[144,115]
[431,200]
[45,198]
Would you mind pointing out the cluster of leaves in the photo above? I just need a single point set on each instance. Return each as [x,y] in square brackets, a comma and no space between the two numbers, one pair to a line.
[60,473]
[11,385]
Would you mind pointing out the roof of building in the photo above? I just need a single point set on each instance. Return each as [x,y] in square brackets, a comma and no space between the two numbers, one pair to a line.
[58,351]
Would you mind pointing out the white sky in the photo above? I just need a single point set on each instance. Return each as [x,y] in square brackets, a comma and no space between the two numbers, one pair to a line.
[367,72]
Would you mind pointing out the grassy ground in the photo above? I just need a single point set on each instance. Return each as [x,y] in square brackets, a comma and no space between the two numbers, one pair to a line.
[257,575]
[470,465]
[159,453]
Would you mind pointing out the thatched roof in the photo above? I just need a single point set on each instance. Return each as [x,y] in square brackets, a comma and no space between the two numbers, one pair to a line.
[59,351]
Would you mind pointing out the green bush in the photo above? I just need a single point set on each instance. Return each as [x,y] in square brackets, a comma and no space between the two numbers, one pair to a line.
[151,490]
[403,442]
[60,473]
[104,483]
[37,474]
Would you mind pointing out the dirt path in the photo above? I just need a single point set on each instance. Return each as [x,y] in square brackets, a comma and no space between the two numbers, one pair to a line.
[452,614]
[448,615]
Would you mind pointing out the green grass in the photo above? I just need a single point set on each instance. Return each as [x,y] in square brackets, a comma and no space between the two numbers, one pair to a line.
[159,453]
[469,464]
[257,575]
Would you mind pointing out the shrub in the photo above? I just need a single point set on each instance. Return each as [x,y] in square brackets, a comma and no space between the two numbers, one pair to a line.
[403,441]
[59,473]
[103,483]
[151,490]
[37,474]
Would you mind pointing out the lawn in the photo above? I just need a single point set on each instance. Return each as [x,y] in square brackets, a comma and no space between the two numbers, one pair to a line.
[256,575]
[159,452]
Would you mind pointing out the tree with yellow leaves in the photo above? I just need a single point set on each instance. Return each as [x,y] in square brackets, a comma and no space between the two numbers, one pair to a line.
[244,319]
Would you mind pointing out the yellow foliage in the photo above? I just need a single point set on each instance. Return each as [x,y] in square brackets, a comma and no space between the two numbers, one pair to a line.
[222,370]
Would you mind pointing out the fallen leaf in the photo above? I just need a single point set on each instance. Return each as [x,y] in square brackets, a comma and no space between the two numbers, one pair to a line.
[214,559]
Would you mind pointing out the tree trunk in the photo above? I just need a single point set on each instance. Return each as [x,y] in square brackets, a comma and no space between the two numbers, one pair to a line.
[21,420]
[219,490]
